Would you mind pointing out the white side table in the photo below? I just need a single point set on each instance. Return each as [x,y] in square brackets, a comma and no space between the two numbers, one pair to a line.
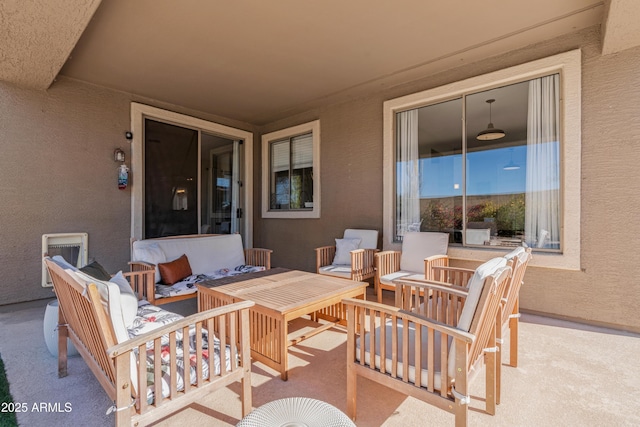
[296,412]
[50,326]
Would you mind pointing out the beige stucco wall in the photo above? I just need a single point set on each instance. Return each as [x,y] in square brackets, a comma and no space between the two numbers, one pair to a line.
[607,290]
[57,174]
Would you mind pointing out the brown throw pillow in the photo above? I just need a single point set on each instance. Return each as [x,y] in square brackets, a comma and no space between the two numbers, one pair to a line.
[174,271]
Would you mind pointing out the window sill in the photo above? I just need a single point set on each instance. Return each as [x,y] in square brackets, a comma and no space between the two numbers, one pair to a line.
[306,214]
[556,260]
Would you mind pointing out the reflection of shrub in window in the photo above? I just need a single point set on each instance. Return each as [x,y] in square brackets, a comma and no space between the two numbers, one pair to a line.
[281,195]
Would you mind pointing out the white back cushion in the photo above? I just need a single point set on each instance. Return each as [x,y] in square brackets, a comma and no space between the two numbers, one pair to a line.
[476,283]
[58,259]
[514,253]
[110,299]
[206,254]
[343,251]
[478,236]
[416,246]
[148,252]
[475,286]
[368,238]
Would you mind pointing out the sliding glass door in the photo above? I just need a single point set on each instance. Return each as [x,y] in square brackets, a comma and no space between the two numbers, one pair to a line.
[192,181]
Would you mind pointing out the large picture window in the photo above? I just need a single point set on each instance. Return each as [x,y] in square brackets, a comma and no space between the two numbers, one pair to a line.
[485,160]
[290,172]
[510,191]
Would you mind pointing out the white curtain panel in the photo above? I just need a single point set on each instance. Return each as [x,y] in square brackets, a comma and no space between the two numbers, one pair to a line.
[235,190]
[543,160]
[407,172]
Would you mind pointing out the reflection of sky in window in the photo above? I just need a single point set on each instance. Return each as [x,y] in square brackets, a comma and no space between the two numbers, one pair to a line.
[485,173]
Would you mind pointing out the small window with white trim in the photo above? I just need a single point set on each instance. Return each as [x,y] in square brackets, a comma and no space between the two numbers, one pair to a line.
[290,172]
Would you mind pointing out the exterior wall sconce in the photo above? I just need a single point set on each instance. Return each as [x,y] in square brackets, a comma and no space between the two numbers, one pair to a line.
[118,155]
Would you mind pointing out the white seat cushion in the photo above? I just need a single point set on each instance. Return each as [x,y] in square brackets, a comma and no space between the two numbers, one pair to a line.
[388,279]
[417,246]
[388,360]
[343,271]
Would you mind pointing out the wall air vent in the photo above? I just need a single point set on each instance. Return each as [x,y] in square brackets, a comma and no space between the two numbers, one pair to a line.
[73,247]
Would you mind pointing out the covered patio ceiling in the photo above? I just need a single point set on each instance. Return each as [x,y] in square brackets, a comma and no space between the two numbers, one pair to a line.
[258,61]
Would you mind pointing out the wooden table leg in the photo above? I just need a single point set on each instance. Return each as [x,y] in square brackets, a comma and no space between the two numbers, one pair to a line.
[284,348]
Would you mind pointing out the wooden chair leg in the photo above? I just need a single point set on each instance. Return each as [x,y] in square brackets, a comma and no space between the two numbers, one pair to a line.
[514,323]
[351,392]
[63,334]
[490,366]
[499,336]
[245,395]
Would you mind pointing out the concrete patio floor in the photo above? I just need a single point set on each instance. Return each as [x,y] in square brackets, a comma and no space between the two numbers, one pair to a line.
[568,375]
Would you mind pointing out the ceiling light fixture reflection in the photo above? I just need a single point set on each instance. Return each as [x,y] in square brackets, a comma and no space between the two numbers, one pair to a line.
[490,133]
[511,166]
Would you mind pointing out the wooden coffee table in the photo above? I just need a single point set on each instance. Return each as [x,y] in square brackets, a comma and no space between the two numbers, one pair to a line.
[280,296]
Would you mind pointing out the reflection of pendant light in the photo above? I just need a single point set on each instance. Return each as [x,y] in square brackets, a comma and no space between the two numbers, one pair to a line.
[511,166]
[490,133]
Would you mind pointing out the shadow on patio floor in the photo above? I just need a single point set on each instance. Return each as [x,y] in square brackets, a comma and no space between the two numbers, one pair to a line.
[568,374]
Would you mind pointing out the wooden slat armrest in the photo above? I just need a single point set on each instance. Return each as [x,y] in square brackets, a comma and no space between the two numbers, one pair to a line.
[433,285]
[434,261]
[453,275]
[362,263]
[387,262]
[142,281]
[258,257]
[439,301]
[141,265]
[178,325]
[324,256]
[411,316]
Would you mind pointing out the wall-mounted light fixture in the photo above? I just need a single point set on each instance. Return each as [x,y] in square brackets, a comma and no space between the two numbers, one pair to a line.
[118,155]
[490,133]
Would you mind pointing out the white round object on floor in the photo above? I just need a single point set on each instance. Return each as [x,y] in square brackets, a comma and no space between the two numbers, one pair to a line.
[50,325]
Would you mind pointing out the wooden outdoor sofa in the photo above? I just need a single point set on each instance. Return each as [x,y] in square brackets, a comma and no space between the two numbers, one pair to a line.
[213,346]
[415,351]
[210,256]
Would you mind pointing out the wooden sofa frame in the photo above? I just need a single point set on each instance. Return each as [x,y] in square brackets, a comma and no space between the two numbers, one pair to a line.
[84,321]
[144,282]
[471,347]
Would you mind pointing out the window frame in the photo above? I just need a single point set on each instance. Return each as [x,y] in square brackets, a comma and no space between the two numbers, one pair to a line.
[310,127]
[568,65]
[138,114]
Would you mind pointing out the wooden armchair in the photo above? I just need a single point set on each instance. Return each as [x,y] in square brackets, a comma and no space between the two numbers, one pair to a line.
[420,252]
[349,258]
[89,316]
[425,357]
[510,309]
